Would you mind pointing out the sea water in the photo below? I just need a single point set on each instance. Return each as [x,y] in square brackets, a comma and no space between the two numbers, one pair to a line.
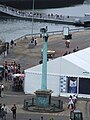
[15,28]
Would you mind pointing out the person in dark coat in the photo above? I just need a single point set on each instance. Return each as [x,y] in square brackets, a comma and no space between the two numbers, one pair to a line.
[13,109]
[65,53]
[3,114]
[0,109]
[12,43]
[0,91]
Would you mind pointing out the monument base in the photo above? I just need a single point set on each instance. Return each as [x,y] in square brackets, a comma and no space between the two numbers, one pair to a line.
[43,103]
[43,98]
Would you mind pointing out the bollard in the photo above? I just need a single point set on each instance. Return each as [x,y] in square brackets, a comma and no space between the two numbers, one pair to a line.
[61,105]
[26,106]
[59,101]
[51,118]
[53,107]
[41,118]
[32,101]
[24,103]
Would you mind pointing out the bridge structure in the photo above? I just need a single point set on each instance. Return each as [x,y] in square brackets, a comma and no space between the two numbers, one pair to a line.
[40,17]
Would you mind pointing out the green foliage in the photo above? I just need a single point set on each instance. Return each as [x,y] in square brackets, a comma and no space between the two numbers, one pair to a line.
[51,118]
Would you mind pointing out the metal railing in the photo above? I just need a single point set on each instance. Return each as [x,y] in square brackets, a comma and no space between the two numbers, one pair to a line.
[53,33]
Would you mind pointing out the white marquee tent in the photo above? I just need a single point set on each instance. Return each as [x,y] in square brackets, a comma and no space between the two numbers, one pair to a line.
[72,65]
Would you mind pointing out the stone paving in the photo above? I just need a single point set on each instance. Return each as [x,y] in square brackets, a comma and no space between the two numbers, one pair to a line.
[30,57]
[11,97]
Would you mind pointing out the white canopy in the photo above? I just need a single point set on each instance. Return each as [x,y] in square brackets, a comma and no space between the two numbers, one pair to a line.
[76,64]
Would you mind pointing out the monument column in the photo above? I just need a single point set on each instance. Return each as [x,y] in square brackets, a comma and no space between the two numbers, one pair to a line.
[44,65]
[43,96]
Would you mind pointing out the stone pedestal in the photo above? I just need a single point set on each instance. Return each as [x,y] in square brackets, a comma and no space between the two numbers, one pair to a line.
[43,98]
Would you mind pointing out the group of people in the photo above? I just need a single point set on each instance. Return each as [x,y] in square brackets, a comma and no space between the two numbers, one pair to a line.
[34,41]
[72,102]
[4,111]
[18,83]
[12,43]
[10,69]
[74,50]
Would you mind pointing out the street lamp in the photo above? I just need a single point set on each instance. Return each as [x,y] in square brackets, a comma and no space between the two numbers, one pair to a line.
[32,16]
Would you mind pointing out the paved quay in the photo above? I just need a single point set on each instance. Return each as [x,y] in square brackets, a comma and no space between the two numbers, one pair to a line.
[30,57]
[17,98]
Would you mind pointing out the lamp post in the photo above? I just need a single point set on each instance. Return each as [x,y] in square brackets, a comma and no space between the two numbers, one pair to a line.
[32,15]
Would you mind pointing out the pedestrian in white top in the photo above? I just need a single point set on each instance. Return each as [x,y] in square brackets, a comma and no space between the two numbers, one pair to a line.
[4,107]
[70,102]
[4,112]
[35,40]
[74,101]
[2,90]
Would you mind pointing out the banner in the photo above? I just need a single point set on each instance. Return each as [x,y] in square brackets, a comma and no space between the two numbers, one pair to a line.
[72,85]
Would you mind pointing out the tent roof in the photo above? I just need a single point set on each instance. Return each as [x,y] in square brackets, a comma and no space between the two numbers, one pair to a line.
[74,64]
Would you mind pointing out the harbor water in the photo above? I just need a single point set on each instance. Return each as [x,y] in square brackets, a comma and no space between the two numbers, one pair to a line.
[15,28]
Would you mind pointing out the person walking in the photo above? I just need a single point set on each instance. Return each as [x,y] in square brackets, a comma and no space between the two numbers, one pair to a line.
[0,109]
[2,89]
[70,103]
[35,40]
[13,109]
[74,101]
[67,42]
[12,43]
[4,107]
[4,112]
